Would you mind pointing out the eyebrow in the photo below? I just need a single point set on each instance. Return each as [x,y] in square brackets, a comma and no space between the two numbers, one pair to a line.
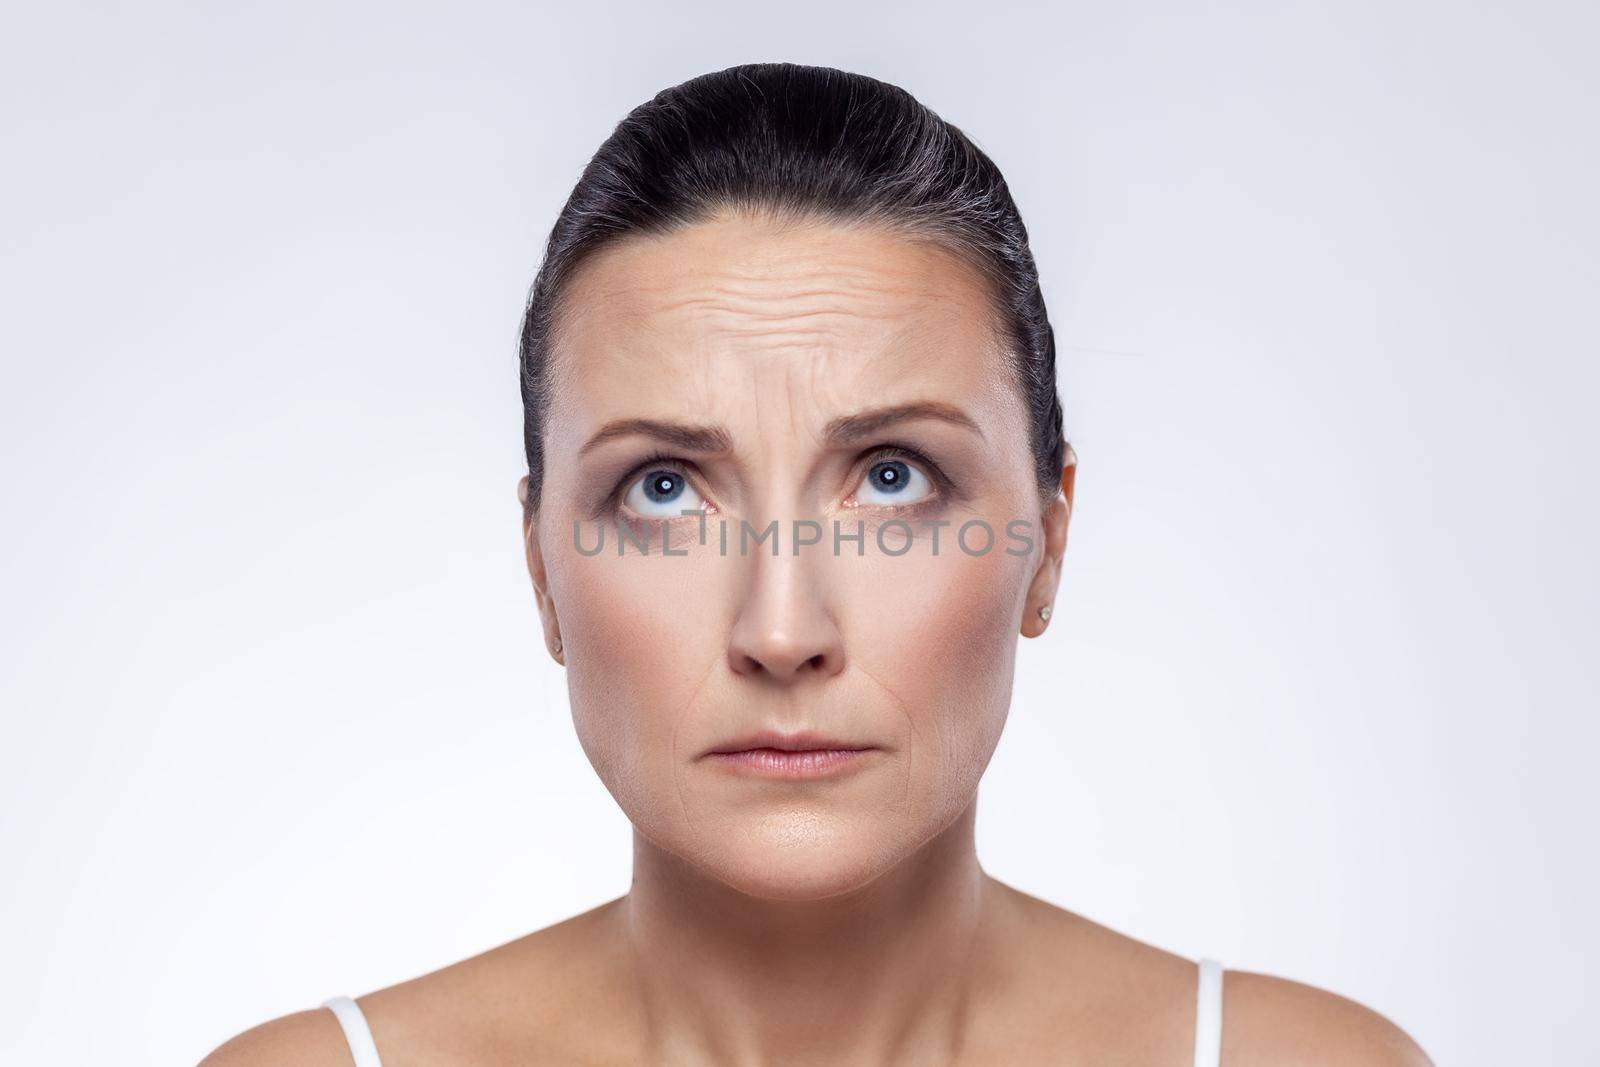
[850,428]
[846,429]
[679,435]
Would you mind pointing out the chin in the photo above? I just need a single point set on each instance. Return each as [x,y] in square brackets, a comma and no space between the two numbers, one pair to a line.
[798,855]
[794,880]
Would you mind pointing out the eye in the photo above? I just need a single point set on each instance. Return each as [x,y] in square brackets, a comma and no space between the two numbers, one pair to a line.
[661,493]
[892,481]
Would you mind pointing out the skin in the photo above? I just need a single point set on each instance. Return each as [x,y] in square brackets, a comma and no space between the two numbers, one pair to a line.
[843,920]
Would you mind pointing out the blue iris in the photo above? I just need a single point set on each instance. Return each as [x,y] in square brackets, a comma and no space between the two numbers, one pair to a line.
[890,476]
[663,487]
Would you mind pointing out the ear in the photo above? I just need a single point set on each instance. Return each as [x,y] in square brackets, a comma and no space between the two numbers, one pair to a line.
[1047,577]
[536,571]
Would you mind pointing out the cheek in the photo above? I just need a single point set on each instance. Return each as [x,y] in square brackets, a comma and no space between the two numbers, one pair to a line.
[638,653]
[939,633]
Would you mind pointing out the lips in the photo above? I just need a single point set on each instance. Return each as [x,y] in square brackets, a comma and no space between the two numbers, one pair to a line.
[803,741]
[792,757]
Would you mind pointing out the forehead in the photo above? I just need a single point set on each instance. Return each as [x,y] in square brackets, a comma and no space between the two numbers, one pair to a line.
[739,310]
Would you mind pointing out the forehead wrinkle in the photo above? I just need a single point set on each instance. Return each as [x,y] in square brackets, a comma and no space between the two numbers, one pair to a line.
[760,282]
[911,310]
[735,312]
[845,276]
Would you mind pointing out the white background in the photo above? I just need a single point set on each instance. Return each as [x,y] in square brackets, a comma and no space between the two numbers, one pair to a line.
[1319,698]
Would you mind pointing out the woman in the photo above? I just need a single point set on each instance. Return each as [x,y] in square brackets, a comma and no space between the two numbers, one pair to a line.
[796,482]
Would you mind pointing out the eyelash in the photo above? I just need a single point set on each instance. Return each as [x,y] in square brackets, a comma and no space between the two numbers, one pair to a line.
[656,458]
[941,484]
[888,450]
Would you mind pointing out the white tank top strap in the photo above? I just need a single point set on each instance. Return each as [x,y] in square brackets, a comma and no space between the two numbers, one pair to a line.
[356,1032]
[1208,1016]
[1207,1022]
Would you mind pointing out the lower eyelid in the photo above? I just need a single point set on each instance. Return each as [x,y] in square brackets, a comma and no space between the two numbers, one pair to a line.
[927,503]
[622,511]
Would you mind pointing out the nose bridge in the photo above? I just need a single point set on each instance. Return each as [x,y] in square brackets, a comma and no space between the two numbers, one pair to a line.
[785,627]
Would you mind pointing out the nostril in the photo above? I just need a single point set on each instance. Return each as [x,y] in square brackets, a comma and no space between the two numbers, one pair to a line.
[785,638]
[775,663]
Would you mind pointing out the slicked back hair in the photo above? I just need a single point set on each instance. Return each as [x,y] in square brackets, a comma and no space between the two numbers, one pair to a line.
[799,142]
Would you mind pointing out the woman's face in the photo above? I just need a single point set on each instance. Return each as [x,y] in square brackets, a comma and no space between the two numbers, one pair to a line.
[753,373]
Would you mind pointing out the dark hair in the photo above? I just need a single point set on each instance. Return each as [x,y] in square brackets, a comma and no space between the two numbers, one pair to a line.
[799,141]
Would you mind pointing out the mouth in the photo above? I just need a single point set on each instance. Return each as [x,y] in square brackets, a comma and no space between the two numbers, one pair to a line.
[799,755]
[804,741]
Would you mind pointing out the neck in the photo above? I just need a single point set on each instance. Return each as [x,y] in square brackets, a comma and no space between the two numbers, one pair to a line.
[878,975]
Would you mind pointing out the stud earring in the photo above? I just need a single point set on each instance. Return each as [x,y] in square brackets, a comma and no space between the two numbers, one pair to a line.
[558,646]
[1044,612]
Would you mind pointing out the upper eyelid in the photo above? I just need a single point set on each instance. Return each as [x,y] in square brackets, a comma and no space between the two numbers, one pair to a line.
[618,494]
[935,474]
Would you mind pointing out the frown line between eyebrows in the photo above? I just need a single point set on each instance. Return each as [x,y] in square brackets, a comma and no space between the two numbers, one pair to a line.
[844,430]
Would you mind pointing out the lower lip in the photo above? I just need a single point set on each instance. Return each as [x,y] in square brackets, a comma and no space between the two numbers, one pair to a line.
[777,763]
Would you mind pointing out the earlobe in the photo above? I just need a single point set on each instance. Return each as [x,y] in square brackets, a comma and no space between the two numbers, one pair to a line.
[1040,604]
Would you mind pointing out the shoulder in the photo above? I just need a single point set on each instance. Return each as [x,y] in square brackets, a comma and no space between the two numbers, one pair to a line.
[547,992]
[311,1038]
[1131,991]
[1274,1022]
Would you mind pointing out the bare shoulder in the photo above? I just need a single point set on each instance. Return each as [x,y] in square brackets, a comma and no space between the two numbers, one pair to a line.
[1134,999]
[1075,984]
[559,994]
[538,995]
[312,1038]
[1282,1023]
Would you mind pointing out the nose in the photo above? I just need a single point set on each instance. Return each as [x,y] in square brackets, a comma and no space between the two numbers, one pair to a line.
[784,630]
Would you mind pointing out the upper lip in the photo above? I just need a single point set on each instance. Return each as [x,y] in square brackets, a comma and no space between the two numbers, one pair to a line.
[804,741]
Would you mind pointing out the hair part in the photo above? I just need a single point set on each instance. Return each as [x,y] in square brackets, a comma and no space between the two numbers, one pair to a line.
[798,143]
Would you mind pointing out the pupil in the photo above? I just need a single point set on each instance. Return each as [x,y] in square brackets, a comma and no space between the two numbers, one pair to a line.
[663,486]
